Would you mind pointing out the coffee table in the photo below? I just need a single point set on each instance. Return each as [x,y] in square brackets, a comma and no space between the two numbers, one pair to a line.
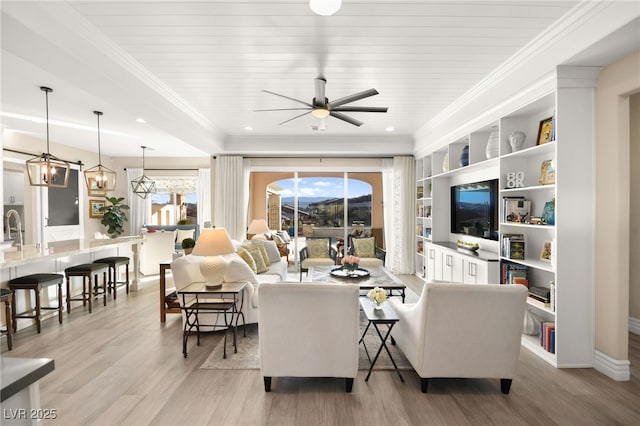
[378,277]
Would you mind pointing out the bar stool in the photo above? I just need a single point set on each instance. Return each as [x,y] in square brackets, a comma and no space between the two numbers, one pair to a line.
[6,296]
[35,283]
[85,271]
[114,263]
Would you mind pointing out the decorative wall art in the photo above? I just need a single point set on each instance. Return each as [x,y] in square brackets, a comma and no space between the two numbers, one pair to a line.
[96,209]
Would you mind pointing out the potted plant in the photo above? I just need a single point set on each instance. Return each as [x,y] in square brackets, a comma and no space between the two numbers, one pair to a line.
[185,222]
[114,216]
[188,244]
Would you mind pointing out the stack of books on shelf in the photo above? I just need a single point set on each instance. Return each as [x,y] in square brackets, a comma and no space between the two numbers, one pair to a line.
[513,273]
[516,209]
[513,246]
[548,336]
[420,192]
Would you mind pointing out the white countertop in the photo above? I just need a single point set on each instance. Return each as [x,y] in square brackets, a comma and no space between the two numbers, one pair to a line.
[29,254]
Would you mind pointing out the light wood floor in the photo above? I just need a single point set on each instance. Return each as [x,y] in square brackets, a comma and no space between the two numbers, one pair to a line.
[119,365]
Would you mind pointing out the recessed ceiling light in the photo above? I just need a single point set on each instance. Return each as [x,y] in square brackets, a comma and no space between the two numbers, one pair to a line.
[141,120]
[390,128]
[325,7]
[248,128]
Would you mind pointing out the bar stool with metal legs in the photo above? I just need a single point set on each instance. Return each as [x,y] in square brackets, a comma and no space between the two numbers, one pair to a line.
[6,296]
[86,271]
[35,283]
[114,263]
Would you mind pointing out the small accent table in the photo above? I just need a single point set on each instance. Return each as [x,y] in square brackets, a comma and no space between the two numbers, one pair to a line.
[387,316]
[222,300]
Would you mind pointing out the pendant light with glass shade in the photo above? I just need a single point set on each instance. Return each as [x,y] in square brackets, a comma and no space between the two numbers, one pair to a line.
[48,170]
[144,185]
[99,179]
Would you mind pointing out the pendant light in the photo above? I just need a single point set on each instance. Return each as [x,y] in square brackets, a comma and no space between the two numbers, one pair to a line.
[48,170]
[144,185]
[99,179]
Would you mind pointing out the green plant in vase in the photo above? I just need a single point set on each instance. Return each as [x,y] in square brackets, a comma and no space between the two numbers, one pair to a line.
[114,216]
[188,244]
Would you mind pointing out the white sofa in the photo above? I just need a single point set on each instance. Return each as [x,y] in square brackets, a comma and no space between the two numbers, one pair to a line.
[157,247]
[462,330]
[309,330]
[186,270]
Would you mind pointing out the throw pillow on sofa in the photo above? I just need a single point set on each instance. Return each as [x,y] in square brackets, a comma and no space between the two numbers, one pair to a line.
[256,253]
[272,251]
[246,256]
[181,234]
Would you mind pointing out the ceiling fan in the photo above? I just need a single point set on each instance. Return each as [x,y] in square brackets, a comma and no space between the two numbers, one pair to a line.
[320,107]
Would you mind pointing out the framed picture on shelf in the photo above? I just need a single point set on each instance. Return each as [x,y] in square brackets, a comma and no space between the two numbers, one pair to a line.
[545,131]
[547,173]
[548,213]
[96,209]
[545,253]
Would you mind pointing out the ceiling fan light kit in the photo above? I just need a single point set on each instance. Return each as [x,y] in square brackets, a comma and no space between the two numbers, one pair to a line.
[325,7]
[48,170]
[99,179]
[321,108]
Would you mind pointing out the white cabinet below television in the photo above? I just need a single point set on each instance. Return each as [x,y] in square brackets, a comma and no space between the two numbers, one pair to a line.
[445,262]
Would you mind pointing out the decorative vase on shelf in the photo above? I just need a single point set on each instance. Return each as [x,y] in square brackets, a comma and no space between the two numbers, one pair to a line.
[493,145]
[516,140]
[445,162]
[464,156]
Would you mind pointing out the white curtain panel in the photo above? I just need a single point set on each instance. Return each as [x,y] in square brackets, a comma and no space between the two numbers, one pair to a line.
[140,209]
[399,224]
[231,196]
[387,207]
[204,197]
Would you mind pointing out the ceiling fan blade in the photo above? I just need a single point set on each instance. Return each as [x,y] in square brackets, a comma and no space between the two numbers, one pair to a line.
[281,109]
[346,118]
[360,109]
[353,98]
[290,98]
[320,99]
[291,119]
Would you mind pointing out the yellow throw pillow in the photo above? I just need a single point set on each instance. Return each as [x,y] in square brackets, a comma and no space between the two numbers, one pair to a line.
[318,248]
[263,250]
[364,247]
[255,252]
[246,256]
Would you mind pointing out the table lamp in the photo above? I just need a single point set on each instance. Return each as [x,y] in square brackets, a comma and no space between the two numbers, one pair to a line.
[213,243]
[258,226]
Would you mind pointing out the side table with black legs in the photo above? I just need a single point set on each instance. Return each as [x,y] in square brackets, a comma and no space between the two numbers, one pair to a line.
[227,300]
[385,316]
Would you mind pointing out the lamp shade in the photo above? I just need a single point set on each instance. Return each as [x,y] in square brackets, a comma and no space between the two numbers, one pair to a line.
[213,242]
[258,226]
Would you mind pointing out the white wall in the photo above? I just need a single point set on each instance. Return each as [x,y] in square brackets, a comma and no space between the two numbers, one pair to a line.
[615,84]
[634,237]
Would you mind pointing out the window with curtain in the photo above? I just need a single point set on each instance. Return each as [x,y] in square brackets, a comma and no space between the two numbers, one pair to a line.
[176,201]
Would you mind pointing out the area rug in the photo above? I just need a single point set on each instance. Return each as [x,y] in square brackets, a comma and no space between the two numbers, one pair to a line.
[248,357]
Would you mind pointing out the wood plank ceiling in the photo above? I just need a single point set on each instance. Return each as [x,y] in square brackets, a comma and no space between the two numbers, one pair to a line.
[218,56]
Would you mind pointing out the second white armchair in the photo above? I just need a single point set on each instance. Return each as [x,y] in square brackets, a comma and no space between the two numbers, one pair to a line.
[462,331]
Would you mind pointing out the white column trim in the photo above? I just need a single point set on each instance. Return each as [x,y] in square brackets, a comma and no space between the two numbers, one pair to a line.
[616,369]
[634,325]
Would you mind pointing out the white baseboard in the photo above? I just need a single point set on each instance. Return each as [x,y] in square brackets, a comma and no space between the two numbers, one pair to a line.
[618,370]
[634,325]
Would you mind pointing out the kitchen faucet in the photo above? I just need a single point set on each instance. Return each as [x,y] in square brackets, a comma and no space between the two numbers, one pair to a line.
[18,227]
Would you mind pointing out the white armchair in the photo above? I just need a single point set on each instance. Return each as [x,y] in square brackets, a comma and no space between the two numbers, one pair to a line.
[462,330]
[309,330]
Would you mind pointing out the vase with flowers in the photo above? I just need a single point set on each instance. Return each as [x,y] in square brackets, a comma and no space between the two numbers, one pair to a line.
[378,296]
[350,264]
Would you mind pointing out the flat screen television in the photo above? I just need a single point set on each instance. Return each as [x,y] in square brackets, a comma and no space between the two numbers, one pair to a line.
[474,209]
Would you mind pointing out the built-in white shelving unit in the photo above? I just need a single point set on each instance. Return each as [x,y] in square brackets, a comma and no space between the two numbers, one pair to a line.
[569,189]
